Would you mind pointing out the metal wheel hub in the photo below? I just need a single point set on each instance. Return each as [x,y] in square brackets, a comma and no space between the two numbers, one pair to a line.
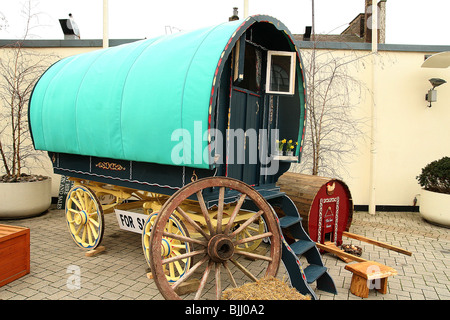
[220,248]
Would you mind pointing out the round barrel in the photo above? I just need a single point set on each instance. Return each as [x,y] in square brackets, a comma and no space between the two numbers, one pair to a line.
[325,204]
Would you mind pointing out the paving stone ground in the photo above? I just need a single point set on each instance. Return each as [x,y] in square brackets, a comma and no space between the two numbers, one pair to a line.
[119,273]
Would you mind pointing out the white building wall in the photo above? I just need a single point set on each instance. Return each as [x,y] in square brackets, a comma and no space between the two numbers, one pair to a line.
[408,133]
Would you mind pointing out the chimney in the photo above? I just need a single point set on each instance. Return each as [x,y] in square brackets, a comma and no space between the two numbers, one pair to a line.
[235,15]
[381,21]
[69,28]
[307,34]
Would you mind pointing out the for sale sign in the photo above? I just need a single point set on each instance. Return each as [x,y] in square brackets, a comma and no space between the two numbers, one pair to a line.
[131,221]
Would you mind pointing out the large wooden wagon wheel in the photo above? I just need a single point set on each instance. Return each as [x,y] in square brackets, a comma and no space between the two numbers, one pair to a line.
[216,246]
[84,216]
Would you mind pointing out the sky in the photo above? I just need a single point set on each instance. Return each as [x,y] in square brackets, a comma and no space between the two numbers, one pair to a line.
[407,21]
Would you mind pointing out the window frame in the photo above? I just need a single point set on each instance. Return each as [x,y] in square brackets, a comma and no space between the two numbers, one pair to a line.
[291,54]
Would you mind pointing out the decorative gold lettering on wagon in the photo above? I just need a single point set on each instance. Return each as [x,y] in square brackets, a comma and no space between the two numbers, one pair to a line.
[110,166]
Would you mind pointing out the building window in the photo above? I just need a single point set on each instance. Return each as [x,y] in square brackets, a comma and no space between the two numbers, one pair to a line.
[280,72]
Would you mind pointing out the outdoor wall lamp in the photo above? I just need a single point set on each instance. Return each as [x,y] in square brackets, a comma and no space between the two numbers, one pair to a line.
[431,96]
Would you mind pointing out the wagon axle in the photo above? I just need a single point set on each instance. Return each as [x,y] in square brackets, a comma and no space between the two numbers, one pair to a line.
[166,248]
[220,248]
[81,217]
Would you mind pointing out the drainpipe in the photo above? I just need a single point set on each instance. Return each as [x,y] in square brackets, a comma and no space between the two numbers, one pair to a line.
[373,113]
[105,24]
[245,9]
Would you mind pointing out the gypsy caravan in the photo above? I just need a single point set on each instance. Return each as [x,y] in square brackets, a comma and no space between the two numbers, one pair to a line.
[185,128]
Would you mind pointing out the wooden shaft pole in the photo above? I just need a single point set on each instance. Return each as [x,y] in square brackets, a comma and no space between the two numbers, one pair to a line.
[375,242]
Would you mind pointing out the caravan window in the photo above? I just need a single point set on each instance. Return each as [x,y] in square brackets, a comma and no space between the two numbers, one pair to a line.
[280,72]
[248,67]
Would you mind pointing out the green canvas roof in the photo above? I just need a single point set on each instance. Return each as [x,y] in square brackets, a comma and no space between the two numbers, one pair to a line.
[125,102]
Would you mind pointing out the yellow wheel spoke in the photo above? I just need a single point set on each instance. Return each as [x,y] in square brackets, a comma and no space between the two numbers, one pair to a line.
[81,199]
[178,246]
[87,201]
[171,270]
[83,237]
[92,214]
[80,208]
[94,232]
[90,206]
[94,222]
[169,226]
[72,210]
[179,267]
[89,234]
[79,229]
[69,217]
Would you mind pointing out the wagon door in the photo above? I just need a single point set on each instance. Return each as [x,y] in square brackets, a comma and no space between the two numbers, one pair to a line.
[245,113]
[244,125]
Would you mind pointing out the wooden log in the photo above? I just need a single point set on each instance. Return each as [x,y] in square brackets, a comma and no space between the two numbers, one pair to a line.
[306,192]
[375,242]
[302,190]
[338,252]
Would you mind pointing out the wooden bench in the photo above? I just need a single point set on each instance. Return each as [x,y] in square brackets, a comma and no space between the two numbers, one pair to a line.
[364,273]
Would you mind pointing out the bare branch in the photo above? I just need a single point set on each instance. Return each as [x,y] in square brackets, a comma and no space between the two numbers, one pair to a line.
[20,69]
[333,96]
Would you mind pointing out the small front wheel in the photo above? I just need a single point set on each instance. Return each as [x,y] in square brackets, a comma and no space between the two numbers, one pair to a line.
[84,216]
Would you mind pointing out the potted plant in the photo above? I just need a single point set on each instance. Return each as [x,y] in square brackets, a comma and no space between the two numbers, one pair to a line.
[290,148]
[280,146]
[435,195]
[22,194]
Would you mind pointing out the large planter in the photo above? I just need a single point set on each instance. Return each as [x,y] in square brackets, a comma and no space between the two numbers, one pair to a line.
[24,199]
[435,207]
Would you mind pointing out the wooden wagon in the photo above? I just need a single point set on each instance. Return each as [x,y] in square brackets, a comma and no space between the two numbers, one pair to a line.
[186,128]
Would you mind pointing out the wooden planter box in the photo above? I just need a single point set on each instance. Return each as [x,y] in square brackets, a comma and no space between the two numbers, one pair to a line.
[14,253]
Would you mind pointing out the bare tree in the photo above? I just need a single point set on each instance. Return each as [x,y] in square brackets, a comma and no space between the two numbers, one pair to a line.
[20,68]
[3,22]
[333,96]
